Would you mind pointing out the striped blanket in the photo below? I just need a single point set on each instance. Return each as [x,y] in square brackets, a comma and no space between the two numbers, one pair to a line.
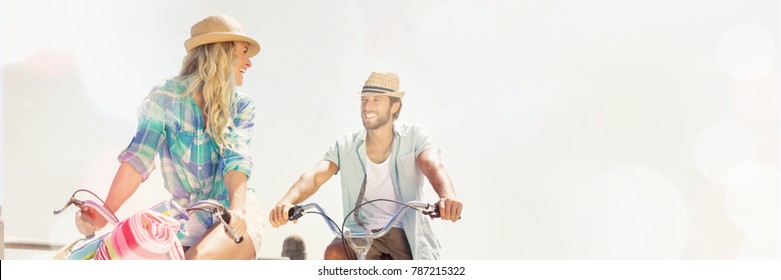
[147,235]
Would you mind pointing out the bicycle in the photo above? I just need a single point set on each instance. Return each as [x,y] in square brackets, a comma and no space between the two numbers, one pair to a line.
[86,248]
[368,237]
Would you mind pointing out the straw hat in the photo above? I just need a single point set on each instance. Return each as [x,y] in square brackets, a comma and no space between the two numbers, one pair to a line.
[219,28]
[382,83]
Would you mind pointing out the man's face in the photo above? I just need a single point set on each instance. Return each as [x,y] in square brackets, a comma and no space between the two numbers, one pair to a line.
[375,111]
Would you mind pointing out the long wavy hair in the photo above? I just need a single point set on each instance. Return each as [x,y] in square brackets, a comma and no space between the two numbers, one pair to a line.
[209,69]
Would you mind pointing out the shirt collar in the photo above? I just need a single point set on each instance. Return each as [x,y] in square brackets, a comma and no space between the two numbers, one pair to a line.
[361,138]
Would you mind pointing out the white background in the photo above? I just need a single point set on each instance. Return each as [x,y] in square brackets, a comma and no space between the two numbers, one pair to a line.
[571,129]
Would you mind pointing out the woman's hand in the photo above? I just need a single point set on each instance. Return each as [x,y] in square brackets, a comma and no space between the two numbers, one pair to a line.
[238,221]
[88,221]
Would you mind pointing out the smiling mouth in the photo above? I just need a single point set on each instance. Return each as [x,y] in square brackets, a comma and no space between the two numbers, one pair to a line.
[369,115]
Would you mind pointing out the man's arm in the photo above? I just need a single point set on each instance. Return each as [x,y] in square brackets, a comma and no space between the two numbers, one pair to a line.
[306,186]
[430,163]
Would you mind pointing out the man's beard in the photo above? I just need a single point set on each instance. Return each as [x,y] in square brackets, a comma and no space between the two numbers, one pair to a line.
[381,120]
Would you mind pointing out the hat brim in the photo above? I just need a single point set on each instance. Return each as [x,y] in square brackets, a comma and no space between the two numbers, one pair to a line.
[216,37]
[398,94]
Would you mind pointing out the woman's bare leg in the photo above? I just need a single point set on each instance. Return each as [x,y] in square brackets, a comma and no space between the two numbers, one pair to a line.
[217,245]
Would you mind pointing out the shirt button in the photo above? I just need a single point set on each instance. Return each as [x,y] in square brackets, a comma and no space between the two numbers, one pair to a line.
[199,168]
[193,196]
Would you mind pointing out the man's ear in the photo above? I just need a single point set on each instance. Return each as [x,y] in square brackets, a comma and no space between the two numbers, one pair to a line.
[395,107]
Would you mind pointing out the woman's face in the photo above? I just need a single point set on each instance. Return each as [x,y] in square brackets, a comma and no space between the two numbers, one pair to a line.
[242,62]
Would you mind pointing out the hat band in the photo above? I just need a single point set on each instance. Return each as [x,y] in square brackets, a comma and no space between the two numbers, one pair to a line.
[377,89]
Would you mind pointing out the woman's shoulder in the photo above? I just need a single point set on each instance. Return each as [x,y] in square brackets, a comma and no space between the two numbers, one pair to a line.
[168,95]
[242,97]
[167,91]
[172,87]
[244,101]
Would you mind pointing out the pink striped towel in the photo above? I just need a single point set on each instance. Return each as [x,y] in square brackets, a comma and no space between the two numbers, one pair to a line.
[147,235]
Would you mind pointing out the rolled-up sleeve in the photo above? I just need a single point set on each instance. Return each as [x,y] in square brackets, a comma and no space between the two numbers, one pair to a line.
[422,141]
[332,155]
[150,135]
[236,155]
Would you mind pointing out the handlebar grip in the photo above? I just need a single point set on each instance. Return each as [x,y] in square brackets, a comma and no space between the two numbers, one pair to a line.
[436,214]
[227,218]
[295,213]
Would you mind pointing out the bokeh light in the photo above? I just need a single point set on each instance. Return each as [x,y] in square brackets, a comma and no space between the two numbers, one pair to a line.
[746,51]
[721,146]
[752,204]
[630,212]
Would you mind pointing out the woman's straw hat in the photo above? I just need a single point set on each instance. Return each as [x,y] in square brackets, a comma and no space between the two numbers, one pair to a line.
[382,83]
[219,28]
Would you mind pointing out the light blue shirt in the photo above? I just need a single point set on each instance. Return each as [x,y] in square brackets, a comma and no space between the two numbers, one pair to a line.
[349,155]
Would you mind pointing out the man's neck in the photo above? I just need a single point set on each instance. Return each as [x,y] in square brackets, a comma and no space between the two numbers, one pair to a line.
[378,142]
[382,136]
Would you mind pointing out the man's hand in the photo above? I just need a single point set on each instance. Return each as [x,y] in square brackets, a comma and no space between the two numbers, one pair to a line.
[278,215]
[450,209]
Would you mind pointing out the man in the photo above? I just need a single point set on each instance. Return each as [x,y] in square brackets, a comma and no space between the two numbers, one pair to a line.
[383,161]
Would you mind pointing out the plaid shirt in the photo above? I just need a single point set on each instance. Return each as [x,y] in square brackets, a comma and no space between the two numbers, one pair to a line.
[191,164]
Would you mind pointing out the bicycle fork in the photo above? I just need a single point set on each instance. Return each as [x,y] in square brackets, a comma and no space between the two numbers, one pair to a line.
[361,250]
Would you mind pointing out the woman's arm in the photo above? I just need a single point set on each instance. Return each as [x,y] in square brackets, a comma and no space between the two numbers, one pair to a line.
[238,163]
[236,185]
[125,183]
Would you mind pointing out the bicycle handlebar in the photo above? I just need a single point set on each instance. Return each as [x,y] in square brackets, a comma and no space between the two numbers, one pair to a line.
[219,211]
[211,206]
[430,209]
[362,248]
[108,215]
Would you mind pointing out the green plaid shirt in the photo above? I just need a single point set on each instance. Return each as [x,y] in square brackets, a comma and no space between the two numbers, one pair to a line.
[172,126]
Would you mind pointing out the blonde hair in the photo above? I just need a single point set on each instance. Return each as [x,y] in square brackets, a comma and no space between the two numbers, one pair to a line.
[209,69]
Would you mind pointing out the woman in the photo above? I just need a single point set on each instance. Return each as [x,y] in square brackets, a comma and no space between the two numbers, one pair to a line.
[201,127]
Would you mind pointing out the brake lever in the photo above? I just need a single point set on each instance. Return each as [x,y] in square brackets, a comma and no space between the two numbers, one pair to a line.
[295,213]
[225,217]
[71,201]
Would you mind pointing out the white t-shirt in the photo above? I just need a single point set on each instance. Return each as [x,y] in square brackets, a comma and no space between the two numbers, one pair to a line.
[379,185]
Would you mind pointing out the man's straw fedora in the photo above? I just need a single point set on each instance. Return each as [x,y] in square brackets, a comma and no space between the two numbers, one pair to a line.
[382,83]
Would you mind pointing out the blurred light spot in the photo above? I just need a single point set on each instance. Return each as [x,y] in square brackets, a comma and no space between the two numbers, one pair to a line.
[553,203]
[34,27]
[630,213]
[753,249]
[746,51]
[758,100]
[752,204]
[721,146]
